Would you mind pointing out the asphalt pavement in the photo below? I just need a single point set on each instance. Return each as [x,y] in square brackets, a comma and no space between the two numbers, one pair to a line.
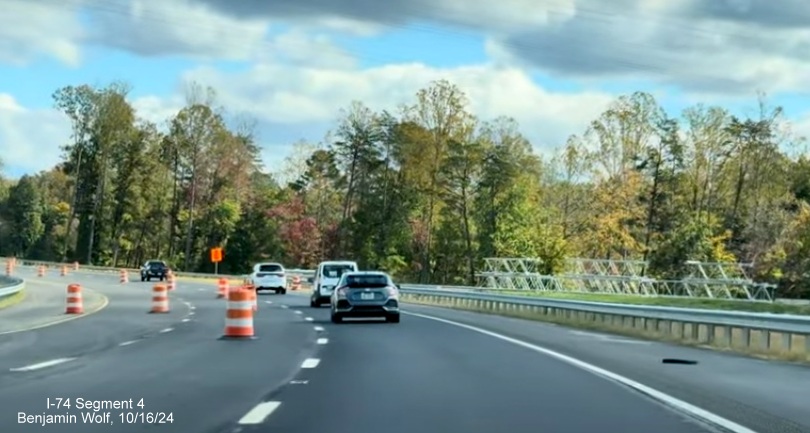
[304,374]
[44,303]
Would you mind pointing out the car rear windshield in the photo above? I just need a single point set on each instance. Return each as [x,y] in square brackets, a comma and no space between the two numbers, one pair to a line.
[157,265]
[335,271]
[270,268]
[367,281]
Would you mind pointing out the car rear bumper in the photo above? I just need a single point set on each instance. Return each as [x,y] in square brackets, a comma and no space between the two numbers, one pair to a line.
[347,309]
[270,284]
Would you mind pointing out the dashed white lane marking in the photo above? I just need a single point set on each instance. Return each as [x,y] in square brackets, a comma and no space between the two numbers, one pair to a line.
[268,302]
[308,319]
[310,363]
[258,414]
[285,306]
[200,289]
[608,338]
[323,340]
[667,399]
[319,329]
[186,320]
[41,365]
[127,343]
[298,312]
[163,331]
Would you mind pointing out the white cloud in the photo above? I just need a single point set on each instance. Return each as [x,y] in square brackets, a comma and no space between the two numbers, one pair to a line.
[282,93]
[152,28]
[30,140]
[29,28]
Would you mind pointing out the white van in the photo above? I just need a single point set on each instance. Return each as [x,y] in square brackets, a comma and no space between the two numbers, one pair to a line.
[326,278]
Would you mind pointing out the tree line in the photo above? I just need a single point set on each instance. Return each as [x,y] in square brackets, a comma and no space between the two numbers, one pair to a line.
[425,192]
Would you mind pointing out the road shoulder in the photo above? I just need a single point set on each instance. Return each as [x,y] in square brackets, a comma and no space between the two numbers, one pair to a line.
[44,305]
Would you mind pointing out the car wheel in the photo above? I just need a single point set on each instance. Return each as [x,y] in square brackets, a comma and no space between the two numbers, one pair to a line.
[143,279]
[283,291]
[312,303]
[336,318]
[149,279]
[393,318]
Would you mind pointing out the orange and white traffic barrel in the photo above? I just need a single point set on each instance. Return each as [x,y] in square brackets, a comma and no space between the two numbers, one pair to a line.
[74,299]
[222,288]
[123,276]
[254,296]
[171,282]
[41,271]
[75,266]
[9,268]
[239,315]
[64,271]
[296,282]
[160,299]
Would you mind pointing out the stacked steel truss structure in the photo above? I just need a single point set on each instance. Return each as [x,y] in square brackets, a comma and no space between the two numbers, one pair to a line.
[626,277]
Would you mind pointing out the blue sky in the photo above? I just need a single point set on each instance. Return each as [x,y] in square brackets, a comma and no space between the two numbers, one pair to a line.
[293,74]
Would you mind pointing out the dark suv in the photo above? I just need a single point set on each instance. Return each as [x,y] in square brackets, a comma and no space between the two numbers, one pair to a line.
[154,269]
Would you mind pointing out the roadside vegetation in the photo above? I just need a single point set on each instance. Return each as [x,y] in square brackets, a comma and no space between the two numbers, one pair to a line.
[425,192]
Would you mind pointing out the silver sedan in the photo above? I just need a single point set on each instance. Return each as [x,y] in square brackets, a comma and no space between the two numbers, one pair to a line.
[365,294]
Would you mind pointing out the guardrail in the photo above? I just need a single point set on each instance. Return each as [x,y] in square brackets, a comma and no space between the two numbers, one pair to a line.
[782,335]
[10,286]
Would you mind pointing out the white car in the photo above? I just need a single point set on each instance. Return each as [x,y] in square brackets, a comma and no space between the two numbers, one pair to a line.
[326,278]
[269,276]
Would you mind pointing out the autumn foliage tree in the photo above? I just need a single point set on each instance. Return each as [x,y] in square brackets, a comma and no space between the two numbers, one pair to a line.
[426,192]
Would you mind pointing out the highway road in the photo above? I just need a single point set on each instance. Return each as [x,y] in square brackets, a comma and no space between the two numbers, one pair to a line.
[304,374]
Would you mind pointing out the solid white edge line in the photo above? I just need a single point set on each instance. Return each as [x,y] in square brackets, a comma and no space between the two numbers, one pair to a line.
[310,363]
[323,340]
[258,414]
[667,399]
[41,365]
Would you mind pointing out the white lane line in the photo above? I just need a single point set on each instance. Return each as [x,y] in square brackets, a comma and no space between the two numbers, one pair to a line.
[308,319]
[200,289]
[258,414]
[41,365]
[323,340]
[268,302]
[127,343]
[163,331]
[298,312]
[667,399]
[319,329]
[310,363]
[285,306]
[186,320]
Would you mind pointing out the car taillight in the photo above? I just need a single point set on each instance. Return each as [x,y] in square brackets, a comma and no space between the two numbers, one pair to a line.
[342,292]
[392,291]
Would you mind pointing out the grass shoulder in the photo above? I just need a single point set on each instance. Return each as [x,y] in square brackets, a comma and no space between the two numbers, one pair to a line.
[11,300]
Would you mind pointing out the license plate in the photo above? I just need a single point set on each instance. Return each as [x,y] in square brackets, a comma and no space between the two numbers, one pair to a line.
[367,296]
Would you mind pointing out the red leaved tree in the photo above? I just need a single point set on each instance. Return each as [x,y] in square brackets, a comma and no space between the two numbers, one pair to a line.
[298,232]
